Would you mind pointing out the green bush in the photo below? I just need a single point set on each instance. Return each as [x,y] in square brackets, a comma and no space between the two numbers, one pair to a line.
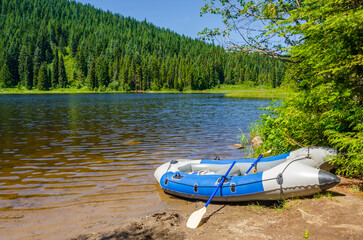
[323,117]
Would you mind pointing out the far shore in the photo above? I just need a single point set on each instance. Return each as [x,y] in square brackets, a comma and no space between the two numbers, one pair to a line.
[234,91]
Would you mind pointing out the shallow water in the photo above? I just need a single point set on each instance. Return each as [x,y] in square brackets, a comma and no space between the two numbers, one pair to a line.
[79,163]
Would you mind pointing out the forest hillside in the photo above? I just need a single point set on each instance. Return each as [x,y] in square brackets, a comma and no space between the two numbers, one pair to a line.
[48,44]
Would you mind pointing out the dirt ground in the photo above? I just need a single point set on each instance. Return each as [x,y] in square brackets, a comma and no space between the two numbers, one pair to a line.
[334,214]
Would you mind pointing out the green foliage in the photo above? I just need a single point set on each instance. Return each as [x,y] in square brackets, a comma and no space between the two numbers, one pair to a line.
[332,46]
[318,118]
[43,80]
[55,70]
[281,205]
[323,43]
[245,142]
[323,194]
[36,65]
[306,234]
[25,68]
[5,76]
[92,84]
[62,78]
[128,54]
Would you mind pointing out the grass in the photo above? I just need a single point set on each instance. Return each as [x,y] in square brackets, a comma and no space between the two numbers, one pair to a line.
[36,91]
[281,205]
[255,207]
[354,189]
[243,91]
[234,91]
[323,194]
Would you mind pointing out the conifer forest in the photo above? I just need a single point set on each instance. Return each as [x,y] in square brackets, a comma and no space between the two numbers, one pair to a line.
[49,44]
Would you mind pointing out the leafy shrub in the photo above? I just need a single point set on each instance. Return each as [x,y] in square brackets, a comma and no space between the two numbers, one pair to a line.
[327,116]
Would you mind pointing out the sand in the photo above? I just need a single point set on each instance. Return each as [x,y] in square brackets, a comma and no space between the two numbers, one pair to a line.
[335,214]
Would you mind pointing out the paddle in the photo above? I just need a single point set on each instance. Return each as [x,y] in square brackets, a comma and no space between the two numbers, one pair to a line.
[196,216]
[257,160]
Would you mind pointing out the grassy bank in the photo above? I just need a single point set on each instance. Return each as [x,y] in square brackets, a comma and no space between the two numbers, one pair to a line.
[242,91]
[36,91]
[237,91]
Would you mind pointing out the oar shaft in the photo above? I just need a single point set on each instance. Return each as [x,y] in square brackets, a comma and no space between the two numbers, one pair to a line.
[254,164]
[220,184]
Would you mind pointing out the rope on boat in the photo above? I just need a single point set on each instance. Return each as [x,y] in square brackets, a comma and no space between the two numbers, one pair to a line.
[279,177]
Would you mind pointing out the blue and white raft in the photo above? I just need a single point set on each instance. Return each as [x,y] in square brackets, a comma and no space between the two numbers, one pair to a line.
[302,172]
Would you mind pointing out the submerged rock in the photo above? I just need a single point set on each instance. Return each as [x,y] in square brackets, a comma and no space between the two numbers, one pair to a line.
[238,146]
[132,142]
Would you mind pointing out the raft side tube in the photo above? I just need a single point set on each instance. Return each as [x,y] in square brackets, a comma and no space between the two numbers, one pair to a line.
[204,185]
[247,160]
[317,157]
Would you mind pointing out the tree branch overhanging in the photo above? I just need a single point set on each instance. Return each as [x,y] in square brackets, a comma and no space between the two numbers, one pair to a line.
[272,18]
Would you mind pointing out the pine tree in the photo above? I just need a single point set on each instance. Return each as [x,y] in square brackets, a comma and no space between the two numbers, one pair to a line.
[73,44]
[162,77]
[138,78]
[170,78]
[5,76]
[81,60]
[25,68]
[43,82]
[131,76]
[145,76]
[63,82]
[87,33]
[102,73]
[36,65]
[55,70]
[155,73]
[92,81]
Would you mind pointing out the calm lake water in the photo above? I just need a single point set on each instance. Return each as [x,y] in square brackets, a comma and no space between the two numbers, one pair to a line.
[78,163]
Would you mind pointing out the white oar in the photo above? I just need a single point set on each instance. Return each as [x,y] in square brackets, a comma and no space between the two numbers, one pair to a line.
[196,216]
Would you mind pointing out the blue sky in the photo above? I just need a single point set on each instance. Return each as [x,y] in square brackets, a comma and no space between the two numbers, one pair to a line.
[181,16]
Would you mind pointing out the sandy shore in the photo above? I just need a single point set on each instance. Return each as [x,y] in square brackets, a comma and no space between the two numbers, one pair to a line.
[335,214]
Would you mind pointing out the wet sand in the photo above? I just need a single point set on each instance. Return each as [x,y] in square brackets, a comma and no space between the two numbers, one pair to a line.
[335,214]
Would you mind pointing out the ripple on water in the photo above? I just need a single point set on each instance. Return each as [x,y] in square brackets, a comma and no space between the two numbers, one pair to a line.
[89,159]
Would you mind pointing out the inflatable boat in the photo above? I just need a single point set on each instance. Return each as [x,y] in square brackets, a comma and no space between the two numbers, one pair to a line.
[302,172]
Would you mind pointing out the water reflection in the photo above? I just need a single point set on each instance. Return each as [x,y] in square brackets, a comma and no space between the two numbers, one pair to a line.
[98,151]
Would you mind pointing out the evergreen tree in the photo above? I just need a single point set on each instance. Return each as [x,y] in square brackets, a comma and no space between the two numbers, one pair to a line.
[63,82]
[138,80]
[81,61]
[25,68]
[131,51]
[170,78]
[12,63]
[5,76]
[145,76]
[92,81]
[55,70]
[36,65]
[43,81]
[102,73]
[73,45]
[130,77]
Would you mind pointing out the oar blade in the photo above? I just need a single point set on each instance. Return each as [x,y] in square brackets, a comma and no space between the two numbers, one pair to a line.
[196,217]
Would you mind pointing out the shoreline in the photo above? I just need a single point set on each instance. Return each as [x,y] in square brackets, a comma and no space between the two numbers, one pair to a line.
[334,214]
[258,92]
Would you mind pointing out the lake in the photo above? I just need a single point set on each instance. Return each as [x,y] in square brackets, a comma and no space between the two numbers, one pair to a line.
[76,163]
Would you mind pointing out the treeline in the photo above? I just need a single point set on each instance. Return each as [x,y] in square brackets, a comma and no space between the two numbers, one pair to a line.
[58,43]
